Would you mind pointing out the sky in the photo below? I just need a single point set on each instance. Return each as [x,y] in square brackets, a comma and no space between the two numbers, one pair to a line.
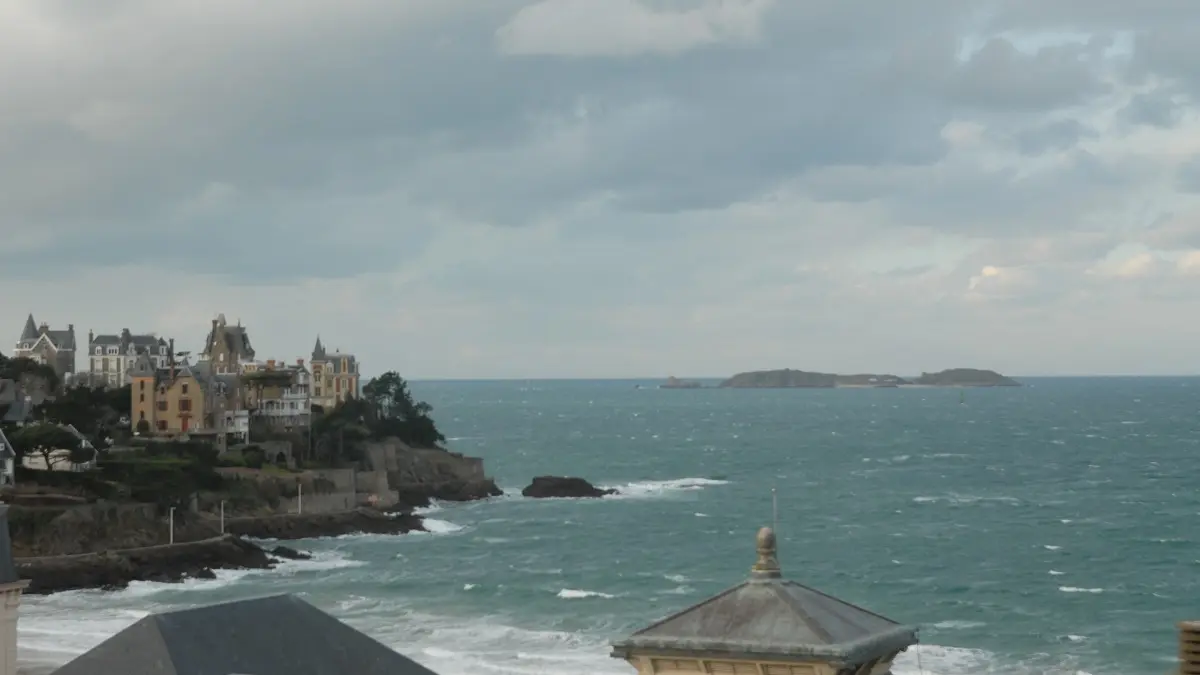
[612,188]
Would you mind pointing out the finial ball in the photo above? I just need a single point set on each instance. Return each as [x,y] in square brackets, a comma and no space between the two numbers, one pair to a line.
[766,539]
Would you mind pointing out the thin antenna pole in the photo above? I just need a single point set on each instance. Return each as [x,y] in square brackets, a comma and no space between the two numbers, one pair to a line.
[775,511]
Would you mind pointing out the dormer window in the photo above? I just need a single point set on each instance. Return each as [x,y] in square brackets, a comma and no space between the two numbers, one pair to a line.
[99,350]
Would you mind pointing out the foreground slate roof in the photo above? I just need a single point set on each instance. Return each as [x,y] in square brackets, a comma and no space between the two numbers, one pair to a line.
[277,635]
[768,616]
[8,571]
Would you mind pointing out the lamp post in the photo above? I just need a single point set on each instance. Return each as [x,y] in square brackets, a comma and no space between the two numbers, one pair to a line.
[222,516]
[171,525]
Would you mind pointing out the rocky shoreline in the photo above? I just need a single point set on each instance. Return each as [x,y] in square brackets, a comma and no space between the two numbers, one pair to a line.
[172,563]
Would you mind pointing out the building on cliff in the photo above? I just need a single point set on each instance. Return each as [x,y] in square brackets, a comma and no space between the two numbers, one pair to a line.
[335,376]
[279,393]
[184,398]
[111,357]
[768,625]
[227,347]
[55,348]
[11,587]
[278,635]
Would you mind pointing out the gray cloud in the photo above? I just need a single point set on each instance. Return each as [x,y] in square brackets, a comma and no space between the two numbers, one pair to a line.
[750,159]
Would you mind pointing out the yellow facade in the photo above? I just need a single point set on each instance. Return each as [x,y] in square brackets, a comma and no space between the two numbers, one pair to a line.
[170,406]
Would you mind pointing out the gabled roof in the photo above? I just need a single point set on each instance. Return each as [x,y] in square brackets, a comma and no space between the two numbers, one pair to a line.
[770,617]
[278,635]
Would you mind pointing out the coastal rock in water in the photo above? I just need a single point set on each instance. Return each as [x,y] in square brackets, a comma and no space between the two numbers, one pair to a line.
[544,487]
[289,553]
[115,569]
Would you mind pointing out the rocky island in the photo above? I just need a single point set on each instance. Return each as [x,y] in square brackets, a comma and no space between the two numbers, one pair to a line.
[676,383]
[802,379]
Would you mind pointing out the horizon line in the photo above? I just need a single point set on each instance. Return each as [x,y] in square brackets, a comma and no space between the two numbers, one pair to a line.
[1077,376]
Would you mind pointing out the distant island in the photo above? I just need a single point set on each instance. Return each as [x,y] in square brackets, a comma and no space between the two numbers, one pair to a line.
[676,383]
[801,379]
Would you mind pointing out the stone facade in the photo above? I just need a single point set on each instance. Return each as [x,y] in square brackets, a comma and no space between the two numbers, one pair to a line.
[55,348]
[227,347]
[110,357]
[335,377]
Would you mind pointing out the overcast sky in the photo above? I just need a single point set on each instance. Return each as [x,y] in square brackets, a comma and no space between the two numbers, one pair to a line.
[608,188]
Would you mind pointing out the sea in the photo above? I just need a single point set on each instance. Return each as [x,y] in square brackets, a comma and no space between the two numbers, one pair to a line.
[1051,529]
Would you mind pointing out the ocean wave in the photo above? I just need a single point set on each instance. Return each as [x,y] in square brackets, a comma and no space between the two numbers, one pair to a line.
[1076,589]
[658,488]
[573,594]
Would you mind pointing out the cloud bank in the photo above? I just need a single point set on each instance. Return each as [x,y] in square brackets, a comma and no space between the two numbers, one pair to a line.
[613,188]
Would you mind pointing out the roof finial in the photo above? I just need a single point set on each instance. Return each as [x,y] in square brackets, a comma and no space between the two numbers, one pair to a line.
[767,566]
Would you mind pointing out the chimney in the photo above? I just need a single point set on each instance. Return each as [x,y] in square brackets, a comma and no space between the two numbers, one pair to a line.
[171,355]
[300,362]
[1189,648]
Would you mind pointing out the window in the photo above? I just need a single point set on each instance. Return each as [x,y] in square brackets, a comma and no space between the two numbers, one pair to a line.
[162,425]
[142,385]
[183,388]
[316,391]
[337,385]
[104,365]
[185,405]
[99,350]
[141,398]
[162,406]
[141,415]
[221,357]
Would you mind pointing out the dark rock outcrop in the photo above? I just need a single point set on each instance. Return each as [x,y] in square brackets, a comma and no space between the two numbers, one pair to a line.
[315,525]
[115,569]
[544,487]
[289,553]
[419,495]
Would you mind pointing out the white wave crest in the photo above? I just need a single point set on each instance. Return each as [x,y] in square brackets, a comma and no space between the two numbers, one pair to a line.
[572,594]
[658,488]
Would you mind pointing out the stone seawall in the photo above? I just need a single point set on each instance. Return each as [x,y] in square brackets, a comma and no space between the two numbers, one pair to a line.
[115,569]
[313,525]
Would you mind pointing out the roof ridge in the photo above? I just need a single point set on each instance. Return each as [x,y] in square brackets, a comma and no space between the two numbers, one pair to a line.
[839,600]
[793,602]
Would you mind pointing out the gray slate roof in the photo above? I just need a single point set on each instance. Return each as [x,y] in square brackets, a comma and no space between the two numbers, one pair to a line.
[63,340]
[127,338]
[8,571]
[771,617]
[278,635]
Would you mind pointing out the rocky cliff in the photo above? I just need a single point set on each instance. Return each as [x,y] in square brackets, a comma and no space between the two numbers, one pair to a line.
[414,476]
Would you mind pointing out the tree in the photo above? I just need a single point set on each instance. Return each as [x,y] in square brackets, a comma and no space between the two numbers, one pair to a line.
[23,369]
[44,438]
[143,427]
[396,413]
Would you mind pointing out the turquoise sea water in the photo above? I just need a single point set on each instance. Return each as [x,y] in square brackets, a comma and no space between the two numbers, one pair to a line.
[1049,529]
